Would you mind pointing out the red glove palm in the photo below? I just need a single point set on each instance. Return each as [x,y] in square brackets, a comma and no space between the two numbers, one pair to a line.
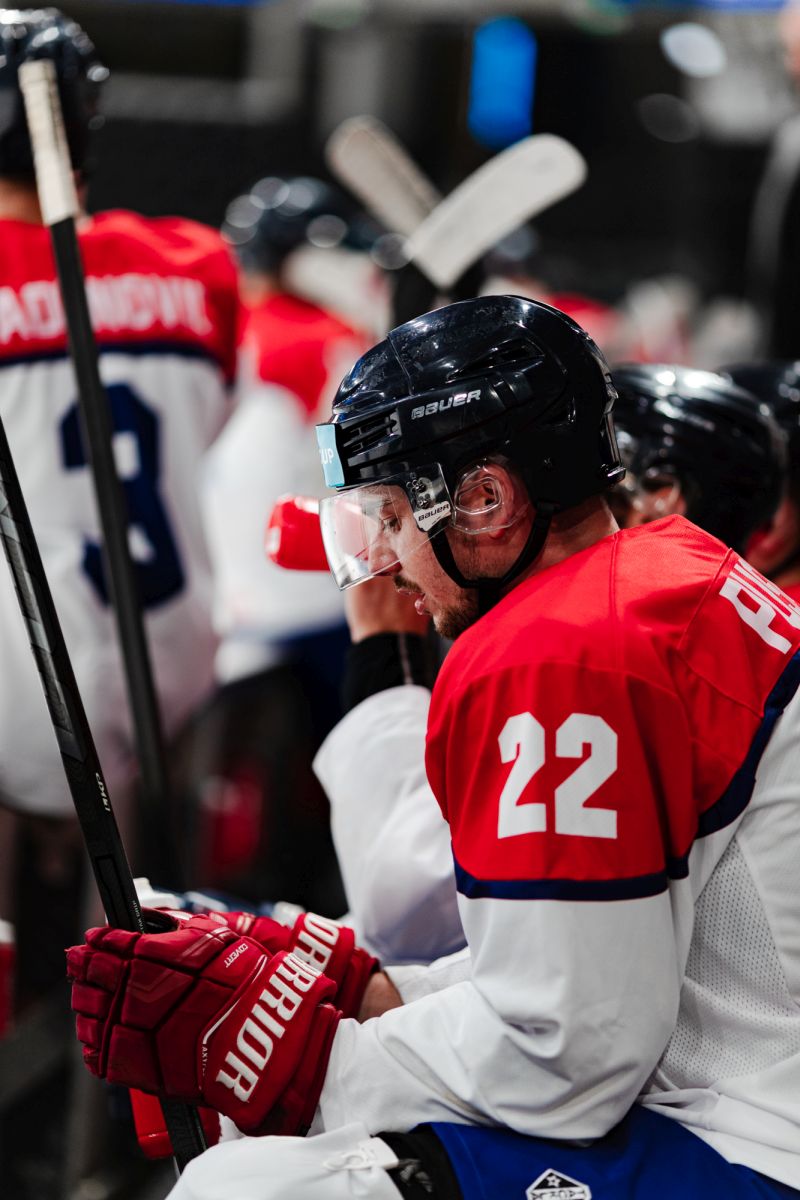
[324,943]
[202,1014]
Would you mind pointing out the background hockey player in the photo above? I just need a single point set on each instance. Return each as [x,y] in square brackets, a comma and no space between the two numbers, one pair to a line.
[247,763]
[610,741]
[163,300]
[775,550]
[700,445]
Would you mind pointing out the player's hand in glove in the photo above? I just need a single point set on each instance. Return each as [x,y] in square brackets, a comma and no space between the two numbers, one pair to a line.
[324,943]
[202,1014]
[282,926]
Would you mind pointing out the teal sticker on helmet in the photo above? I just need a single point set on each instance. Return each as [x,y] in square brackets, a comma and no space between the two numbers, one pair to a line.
[329,456]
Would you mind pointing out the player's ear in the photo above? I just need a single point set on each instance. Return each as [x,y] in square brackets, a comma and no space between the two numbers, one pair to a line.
[489,498]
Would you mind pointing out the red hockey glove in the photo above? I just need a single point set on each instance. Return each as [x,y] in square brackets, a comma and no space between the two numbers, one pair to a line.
[201,1014]
[324,943]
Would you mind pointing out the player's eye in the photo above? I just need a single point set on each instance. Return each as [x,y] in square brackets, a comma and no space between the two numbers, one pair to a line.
[389,521]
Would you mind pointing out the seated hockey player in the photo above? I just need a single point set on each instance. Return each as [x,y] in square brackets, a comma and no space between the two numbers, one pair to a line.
[611,741]
[693,443]
[698,444]
[775,550]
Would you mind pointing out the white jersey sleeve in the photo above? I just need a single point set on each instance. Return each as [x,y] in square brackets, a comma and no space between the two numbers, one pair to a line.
[392,843]
[534,1040]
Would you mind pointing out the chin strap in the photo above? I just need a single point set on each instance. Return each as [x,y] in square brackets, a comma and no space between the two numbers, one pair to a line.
[490,590]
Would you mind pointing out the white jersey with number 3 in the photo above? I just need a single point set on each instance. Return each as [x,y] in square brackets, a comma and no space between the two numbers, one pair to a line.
[163,300]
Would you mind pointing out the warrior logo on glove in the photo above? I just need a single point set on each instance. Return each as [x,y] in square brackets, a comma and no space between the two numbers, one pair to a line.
[204,1014]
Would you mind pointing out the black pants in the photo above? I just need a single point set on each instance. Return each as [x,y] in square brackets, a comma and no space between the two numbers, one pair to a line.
[424,1171]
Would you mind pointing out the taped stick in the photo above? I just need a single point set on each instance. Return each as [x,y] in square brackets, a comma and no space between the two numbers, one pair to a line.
[366,156]
[58,201]
[503,194]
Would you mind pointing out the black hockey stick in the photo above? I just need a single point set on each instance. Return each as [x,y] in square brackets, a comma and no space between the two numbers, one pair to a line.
[79,755]
[59,205]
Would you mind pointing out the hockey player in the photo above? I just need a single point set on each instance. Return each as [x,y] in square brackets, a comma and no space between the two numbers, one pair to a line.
[698,444]
[775,550]
[610,742]
[694,444]
[164,305]
[282,643]
[293,354]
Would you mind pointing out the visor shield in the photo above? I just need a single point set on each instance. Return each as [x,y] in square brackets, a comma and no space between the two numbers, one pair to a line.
[368,530]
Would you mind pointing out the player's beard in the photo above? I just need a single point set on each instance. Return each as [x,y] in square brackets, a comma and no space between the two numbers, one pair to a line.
[451,619]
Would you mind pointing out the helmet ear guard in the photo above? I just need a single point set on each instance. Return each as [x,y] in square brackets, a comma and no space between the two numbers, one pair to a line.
[488,498]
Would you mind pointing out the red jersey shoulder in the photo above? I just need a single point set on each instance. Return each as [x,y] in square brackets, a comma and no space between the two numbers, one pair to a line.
[299,346]
[585,731]
[137,241]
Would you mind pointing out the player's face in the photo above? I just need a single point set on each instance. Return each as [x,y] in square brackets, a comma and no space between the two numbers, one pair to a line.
[404,552]
[647,499]
[452,608]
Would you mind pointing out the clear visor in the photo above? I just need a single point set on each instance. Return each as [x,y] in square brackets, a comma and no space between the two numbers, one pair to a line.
[371,530]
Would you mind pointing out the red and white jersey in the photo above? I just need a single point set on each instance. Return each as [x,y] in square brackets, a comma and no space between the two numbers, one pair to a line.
[616,749]
[163,300]
[293,357]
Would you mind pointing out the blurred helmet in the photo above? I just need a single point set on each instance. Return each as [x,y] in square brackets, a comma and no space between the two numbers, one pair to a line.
[494,378]
[277,215]
[702,435]
[45,33]
[778,385]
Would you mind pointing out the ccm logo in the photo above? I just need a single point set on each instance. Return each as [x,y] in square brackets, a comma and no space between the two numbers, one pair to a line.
[326,456]
[427,410]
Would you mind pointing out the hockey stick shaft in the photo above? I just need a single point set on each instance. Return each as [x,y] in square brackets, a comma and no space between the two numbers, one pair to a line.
[81,763]
[78,752]
[59,208]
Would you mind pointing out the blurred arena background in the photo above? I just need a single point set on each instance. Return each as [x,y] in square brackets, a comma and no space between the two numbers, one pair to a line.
[683,114]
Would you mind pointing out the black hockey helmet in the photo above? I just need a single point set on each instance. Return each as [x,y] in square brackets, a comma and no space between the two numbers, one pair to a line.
[277,215]
[708,437]
[778,385]
[497,376]
[45,33]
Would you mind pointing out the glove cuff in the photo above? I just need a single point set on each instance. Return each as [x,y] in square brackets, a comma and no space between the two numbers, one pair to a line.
[331,948]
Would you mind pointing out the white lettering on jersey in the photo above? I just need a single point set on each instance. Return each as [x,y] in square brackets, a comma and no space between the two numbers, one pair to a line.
[522,742]
[771,602]
[261,1028]
[131,301]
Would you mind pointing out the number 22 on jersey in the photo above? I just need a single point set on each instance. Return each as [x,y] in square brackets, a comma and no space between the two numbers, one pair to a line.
[522,743]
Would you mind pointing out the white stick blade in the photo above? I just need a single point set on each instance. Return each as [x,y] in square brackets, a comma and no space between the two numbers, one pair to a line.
[54,180]
[508,190]
[368,159]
